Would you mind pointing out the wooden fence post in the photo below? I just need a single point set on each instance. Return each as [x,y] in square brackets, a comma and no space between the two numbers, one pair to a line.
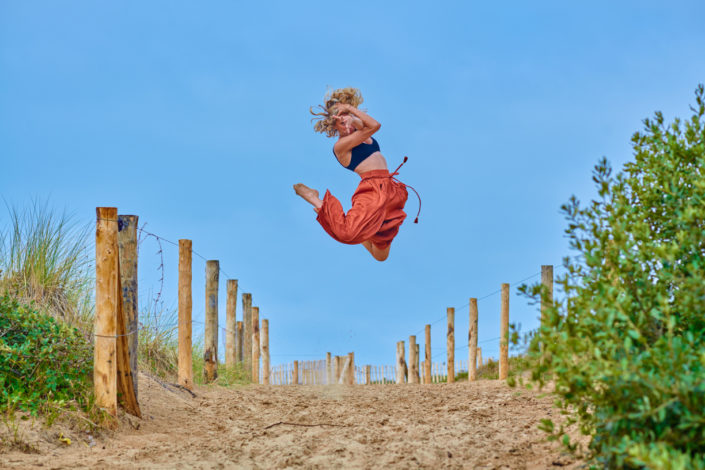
[450,344]
[210,354]
[504,334]
[336,369]
[547,283]
[329,370]
[106,297]
[295,374]
[472,341]
[413,367]
[127,243]
[126,383]
[238,341]
[350,380]
[185,375]
[401,363]
[265,351]
[427,355]
[231,323]
[368,380]
[344,363]
[417,374]
[247,334]
[255,345]
[479,357]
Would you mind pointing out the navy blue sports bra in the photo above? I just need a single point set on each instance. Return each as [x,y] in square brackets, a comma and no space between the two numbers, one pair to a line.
[360,153]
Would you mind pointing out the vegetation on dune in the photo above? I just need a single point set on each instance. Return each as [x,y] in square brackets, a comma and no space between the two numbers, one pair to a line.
[157,351]
[45,258]
[235,375]
[44,363]
[46,313]
[626,344]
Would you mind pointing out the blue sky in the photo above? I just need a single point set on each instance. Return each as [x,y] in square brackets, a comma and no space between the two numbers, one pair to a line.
[195,116]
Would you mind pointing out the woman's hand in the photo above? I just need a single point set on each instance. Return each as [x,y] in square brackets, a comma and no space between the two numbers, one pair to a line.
[341,108]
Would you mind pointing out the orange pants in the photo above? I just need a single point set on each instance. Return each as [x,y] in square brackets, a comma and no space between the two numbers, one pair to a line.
[376,213]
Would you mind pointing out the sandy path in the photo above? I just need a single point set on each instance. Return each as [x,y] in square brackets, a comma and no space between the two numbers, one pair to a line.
[485,425]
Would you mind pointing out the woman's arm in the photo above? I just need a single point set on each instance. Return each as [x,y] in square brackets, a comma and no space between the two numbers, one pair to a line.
[369,127]
[367,121]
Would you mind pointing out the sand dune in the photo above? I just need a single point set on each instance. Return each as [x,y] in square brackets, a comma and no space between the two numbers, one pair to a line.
[484,425]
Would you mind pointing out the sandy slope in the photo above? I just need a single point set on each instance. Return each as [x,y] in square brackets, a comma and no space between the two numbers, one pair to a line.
[482,425]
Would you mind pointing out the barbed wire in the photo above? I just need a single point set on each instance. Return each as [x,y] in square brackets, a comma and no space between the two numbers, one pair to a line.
[158,237]
[144,234]
[479,299]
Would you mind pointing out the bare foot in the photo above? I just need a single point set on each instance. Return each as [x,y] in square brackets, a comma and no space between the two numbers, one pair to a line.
[378,254]
[310,195]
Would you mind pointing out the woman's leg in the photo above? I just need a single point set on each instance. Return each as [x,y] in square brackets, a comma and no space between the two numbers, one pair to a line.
[310,195]
[361,222]
[377,253]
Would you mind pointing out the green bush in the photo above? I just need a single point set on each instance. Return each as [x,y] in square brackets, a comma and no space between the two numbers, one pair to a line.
[626,343]
[43,362]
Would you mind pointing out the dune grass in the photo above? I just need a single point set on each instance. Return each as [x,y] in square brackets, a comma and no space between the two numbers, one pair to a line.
[227,376]
[46,258]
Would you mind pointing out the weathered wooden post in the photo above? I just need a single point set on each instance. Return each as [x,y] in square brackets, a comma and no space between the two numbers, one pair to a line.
[265,351]
[450,344]
[329,369]
[472,341]
[231,323]
[547,283]
[479,357]
[127,243]
[106,298]
[417,374]
[427,355]
[368,374]
[247,334]
[350,379]
[336,369]
[210,354]
[185,374]
[413,368]
[504,334]
[295,374]
[255,345]
[401,363]
[238,341]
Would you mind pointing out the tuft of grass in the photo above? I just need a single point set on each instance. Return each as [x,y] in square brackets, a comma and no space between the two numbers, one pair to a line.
[44,258]
[158,343]
[227,376]
[518,365]
[12,437]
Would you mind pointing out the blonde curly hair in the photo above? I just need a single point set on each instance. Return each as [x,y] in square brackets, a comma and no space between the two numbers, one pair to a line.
[325,124]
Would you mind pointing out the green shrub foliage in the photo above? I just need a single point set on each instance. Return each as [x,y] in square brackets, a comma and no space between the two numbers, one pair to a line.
[626,343]
[43,362]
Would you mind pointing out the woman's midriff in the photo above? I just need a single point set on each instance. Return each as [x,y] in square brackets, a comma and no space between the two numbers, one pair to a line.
[374,162]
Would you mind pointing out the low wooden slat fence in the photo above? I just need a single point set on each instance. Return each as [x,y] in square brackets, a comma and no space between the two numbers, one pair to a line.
[317,373]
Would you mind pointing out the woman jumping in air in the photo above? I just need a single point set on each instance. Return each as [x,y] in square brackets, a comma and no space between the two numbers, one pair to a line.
[378,203]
